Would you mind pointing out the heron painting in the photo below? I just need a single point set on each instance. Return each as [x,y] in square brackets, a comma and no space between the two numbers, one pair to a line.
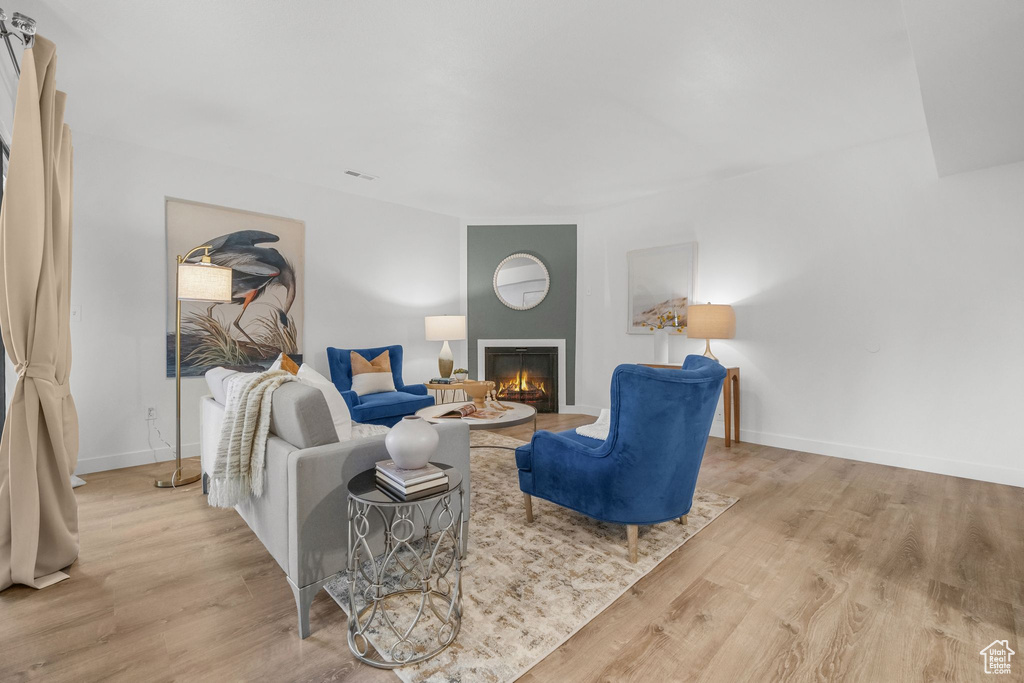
[264,317]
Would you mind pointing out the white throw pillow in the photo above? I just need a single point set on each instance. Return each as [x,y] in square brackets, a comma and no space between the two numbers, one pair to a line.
[373,383]
[335,403]
[216,379]
[276,365]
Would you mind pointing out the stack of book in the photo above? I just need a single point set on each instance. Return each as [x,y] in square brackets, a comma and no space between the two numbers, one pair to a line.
[407,485]
[443,380]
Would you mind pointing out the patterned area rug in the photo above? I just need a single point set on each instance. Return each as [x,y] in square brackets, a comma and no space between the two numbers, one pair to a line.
[529,587]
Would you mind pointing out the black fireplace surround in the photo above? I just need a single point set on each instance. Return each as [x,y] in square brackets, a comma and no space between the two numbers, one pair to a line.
[524,374]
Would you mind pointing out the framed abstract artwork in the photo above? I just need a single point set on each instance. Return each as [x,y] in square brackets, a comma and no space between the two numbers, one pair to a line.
[267,257]
[661,286]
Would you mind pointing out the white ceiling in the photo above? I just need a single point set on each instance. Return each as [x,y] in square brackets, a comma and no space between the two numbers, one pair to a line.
[970,59]
[488,107]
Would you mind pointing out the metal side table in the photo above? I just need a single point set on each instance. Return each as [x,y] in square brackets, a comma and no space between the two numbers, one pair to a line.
[409,584]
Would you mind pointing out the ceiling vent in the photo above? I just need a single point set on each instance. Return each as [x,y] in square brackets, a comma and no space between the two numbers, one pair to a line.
[357,174]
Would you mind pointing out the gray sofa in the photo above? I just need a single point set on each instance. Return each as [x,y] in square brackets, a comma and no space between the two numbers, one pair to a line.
[301,516]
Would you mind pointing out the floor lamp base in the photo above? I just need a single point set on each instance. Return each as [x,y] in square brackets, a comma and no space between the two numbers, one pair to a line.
[181,477]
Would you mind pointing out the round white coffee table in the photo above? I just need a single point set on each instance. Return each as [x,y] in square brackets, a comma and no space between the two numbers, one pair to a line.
[519,414]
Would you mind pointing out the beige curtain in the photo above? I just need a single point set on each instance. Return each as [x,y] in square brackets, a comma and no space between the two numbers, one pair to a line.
[39,449]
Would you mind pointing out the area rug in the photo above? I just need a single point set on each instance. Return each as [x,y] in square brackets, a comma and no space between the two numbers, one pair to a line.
[527,588]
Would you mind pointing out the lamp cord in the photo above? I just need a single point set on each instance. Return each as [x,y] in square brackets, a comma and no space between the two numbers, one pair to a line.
[149,440]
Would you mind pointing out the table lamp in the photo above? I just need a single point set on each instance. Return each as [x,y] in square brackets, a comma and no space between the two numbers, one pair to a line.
[201,281]
[710,321]
[445,328]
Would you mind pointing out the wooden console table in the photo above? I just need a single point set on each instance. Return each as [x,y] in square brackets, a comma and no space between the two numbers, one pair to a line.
[730,398]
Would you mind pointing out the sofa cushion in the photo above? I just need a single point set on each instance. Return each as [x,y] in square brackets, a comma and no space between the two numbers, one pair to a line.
[216,379]
[300,416]
[587,441]
[389,404]
[340,415]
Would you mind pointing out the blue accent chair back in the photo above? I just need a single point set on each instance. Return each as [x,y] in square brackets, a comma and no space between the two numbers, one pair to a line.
[385,408]
[646,471]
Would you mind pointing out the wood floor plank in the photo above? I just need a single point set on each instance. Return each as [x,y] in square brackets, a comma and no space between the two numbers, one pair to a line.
[696,622]
[826,569]
[604,641]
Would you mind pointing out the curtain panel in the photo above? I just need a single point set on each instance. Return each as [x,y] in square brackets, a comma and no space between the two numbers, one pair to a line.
[39,448]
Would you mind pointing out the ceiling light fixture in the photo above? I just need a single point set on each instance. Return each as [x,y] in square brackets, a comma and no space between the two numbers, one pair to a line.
[357,174]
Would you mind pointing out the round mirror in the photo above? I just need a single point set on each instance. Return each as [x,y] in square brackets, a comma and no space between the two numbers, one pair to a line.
[521,281]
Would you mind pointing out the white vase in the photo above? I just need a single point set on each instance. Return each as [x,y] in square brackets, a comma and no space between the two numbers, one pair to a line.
[412,442]
[661,346]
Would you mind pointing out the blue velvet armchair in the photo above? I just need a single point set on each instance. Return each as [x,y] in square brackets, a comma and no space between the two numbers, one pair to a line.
[385,408]
[646,471]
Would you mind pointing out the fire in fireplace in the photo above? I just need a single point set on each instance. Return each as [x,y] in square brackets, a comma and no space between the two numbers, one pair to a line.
[524,375]
[521,388]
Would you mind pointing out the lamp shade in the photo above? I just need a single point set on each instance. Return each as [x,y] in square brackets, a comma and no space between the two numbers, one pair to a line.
[445,327]
[710,321]
[204,282]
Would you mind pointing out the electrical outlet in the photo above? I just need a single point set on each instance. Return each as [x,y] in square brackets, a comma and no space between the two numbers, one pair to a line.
[719,414]
[150,413]
[76,313]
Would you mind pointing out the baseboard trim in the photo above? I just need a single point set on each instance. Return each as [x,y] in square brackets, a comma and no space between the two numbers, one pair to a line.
[910,461]
[118,461]
[583,410]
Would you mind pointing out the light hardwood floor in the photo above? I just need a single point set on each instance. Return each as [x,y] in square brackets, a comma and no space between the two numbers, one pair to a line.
[826,569]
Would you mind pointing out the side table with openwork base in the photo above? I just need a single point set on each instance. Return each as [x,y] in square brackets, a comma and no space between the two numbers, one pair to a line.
[411,594]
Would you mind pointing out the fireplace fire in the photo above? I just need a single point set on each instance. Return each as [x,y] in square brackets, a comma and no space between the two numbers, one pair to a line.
[520,388]
[524,375]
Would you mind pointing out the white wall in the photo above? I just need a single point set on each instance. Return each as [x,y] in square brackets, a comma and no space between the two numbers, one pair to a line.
[880,310]
[373,270]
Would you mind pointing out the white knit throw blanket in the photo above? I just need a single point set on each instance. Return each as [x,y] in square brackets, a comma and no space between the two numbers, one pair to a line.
[598,429]
[238,468]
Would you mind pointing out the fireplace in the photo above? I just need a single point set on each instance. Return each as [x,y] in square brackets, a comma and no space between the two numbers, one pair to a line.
[524,375]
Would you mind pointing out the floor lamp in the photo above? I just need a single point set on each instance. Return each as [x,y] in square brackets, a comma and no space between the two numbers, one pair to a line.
[201,281]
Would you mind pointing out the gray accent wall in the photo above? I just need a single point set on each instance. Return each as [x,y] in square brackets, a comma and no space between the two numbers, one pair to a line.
[554,318]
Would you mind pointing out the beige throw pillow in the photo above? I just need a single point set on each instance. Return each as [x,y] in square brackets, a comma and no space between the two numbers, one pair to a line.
[371,376]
